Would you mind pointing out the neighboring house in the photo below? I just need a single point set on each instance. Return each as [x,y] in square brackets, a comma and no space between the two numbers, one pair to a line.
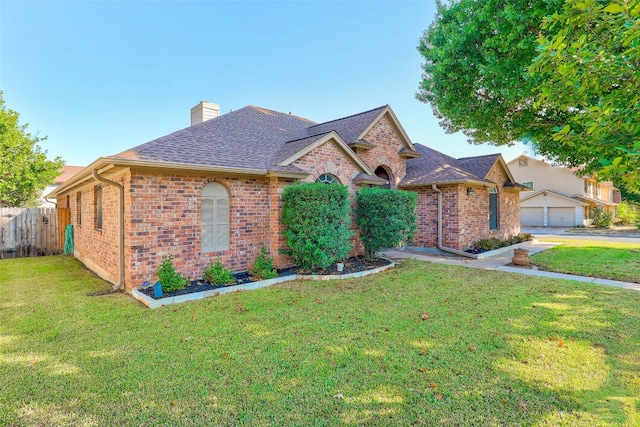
[67,173]
[557,196]
[213,190]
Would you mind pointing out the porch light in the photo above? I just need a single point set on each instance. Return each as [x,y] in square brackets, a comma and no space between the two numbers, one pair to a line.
[470,191]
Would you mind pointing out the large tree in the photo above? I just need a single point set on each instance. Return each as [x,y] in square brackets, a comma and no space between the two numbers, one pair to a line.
[591,67]
[24,168]
[492,69]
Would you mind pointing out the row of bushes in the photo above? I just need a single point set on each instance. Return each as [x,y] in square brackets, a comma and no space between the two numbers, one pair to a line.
[495,243]
[317,218]
[214,273]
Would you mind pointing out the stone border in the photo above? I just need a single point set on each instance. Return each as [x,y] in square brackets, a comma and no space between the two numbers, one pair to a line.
[157,303]
[482,255]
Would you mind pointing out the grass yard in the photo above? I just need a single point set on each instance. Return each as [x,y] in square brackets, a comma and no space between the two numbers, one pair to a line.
[493,349]
[616,261]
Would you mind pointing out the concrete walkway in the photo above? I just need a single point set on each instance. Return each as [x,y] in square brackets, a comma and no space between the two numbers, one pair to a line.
[500,262]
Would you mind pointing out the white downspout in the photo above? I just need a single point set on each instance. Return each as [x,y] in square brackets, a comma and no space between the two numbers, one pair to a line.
[440,245]
[120,188]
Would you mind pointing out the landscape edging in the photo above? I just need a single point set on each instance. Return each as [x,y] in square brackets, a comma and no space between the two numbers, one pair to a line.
[157,303]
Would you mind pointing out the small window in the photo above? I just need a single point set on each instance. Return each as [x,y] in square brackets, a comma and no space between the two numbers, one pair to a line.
[214,219]
[97,206]
[79,207]
[326,178]
[523,162]
[528,184]
[493,208]
[382,173]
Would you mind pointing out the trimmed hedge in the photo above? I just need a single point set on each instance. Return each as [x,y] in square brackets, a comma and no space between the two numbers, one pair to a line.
[386,218]
[316,217]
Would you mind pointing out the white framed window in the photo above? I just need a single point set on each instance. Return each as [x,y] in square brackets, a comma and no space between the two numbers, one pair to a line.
[214,219]
[327,178]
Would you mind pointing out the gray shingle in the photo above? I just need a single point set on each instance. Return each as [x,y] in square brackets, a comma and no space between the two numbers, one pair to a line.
[247,139]
[434,167]
[349,128]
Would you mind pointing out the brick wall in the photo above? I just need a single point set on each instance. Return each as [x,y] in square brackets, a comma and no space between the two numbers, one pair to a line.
[466,216]
[163,218]
[388,143]
[96,248]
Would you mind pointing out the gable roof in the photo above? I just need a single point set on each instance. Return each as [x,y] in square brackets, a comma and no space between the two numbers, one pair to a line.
[554,194]
[246,138]
[251,140]
[434,167]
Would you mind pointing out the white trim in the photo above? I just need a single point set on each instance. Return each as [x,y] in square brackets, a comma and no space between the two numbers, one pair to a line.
[333,135]
[396,123]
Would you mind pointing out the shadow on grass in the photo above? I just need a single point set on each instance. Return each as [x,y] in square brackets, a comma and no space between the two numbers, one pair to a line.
[493,349]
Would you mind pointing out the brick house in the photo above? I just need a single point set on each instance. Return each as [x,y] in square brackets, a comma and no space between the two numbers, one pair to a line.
[213,190]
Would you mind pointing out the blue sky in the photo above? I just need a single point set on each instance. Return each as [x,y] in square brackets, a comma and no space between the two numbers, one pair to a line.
[100,77]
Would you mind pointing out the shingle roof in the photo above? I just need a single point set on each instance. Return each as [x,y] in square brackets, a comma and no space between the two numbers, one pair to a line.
[249,138]
[479,165]
[434,167]
[351,127]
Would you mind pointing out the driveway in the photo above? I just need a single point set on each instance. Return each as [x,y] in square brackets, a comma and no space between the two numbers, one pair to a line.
[620,235]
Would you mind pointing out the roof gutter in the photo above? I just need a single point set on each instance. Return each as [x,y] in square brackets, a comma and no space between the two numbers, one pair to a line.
[120,188]
[440,245]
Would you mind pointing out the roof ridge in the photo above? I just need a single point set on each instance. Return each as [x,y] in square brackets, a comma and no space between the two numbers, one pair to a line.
[348,117]
[477,157]
[310,136]
[436,151]
[268,110]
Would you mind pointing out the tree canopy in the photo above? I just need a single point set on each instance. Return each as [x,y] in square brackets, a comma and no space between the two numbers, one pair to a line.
[560,75]
[24,168]
[590,66]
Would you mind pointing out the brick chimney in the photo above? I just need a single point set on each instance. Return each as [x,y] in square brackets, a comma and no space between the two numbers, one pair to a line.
[204,111]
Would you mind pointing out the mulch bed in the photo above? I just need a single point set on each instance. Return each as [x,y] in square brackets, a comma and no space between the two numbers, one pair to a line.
[351,265]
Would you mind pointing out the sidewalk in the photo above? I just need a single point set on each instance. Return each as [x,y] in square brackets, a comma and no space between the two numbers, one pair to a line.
[500,263]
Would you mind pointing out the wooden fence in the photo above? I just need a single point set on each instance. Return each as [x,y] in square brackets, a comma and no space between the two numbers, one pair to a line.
[31,232]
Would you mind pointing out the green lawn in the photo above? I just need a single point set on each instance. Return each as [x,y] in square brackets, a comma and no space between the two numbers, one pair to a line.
[616,261]
[494,349]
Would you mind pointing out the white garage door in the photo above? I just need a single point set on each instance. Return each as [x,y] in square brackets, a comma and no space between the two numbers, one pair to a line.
[531,217]
[562,217]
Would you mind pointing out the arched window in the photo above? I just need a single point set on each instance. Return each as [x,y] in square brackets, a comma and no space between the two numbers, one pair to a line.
[327,178]
[215,218]
[382,173]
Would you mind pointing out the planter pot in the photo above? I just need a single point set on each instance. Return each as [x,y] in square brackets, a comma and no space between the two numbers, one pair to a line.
[520,257]
[340,267]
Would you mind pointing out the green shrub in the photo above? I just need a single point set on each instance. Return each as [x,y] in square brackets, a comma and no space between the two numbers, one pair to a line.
[167,275]
[316,217]
[386,218]
[601,218]
[519,238]
[627,213]
[488,244]
[495,243]
[218,275]
[263,267]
